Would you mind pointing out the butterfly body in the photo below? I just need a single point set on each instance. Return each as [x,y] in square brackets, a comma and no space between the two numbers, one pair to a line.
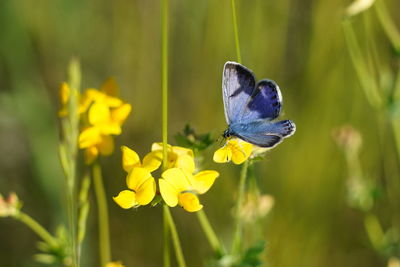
[251,107]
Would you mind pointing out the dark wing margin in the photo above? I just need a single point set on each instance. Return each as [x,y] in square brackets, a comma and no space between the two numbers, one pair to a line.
[238,83]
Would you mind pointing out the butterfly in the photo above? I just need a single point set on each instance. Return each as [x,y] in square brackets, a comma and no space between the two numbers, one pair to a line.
[251,107]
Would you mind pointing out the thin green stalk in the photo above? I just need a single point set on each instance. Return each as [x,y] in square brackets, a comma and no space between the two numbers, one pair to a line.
[175,238]
[104,235]
[164,116]
[84,207]
[388,25]
[166,256]
[394,182]
[366,78]
[209,232]
[237,237]
[71,131]
[164,78]
[374,230]
[37,228]
[236,31]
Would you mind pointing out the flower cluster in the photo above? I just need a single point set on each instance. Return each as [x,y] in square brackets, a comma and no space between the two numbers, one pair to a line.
[102,114]
[178,183]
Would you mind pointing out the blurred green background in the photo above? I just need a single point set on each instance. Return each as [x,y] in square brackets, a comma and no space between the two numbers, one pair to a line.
[299,44]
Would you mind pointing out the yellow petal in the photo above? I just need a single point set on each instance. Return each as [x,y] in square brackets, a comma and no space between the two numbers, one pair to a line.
[137,177]
[168,193]
[99,113]
[113,102]
[177,178]
[126,199]
[202,181]
[159,146]
[89,137]
[130,158]
[91,154]
[119,114]
[106,146]
[146,192]
[152,161]
[190,202]
[114,264]
[109,128]
[88,97]
[185,162]
[110,87]
[63,112]
[65,92]
[241,150]
[182,151]
[222,155]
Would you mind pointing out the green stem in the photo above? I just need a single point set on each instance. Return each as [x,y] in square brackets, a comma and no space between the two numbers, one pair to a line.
[175,238]
[164,115]
[237,238]
[166,256]
[394,183]
[209,232]
[374,230]
[236,31]
[71,132]
[388,25]
[104,235]
[366,78]
[37,228]
[164,78]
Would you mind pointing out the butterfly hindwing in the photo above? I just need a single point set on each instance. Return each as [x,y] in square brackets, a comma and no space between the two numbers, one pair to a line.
[238,85]
[264,133]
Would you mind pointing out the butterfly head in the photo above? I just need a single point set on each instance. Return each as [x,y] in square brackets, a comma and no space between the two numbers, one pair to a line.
[227,133]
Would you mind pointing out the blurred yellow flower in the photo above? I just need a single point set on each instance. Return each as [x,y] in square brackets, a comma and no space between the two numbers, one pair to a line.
[178,186]
[105,114]
[235,149]
[65,93]
[115,264]
[142,189]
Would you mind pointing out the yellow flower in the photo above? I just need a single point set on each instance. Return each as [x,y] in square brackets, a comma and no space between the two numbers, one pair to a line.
[105,115]
[114,264]
[178,157]
[108,94]
[178,186]
[142,189]
[65,93]
[235,149]
[130,160]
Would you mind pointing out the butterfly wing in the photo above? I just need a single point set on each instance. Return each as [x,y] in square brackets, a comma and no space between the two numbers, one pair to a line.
[238,84]
[265,102]
[264,133]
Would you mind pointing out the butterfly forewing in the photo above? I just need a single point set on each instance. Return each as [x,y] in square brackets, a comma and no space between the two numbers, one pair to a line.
[238,84]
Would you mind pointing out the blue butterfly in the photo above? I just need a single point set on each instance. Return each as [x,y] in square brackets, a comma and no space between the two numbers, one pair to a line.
[250,107]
